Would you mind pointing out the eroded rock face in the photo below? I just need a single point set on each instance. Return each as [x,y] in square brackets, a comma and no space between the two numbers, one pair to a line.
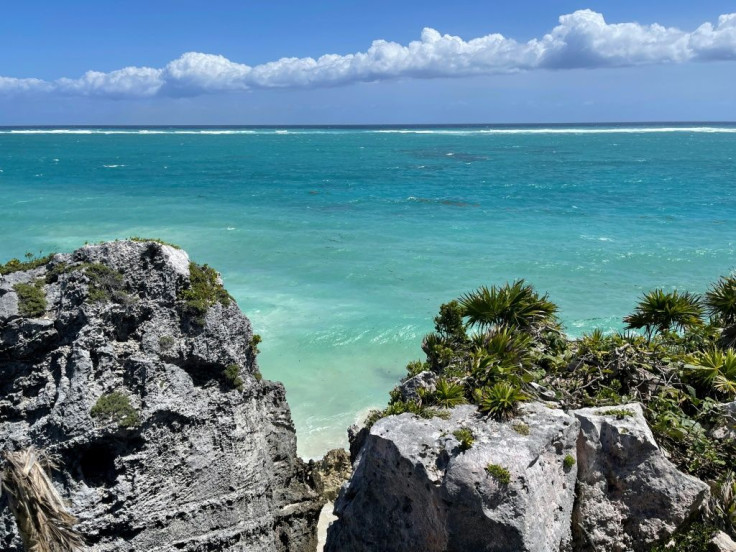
[629,495]
[584,480]
[211,463]
[413,488]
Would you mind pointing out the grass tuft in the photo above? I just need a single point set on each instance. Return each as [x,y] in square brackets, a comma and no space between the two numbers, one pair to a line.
[499,473]
[232,375]
[204,291]
[31,299]
[466,438]
[116,407]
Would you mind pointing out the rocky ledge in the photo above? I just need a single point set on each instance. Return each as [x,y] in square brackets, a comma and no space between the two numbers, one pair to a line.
[135,368]
[547,480]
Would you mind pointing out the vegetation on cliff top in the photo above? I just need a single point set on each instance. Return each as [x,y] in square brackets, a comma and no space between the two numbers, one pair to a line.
[31,262]
[205,289]
[498,346]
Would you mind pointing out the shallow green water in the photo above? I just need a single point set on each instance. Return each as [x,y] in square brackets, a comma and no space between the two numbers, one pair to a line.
[340,244]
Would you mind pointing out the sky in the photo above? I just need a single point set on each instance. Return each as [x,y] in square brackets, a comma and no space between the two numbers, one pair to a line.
[184,62]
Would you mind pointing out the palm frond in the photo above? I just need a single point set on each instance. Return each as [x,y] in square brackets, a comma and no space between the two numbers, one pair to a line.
[720,300]
[43,520]
[659,311]
[515,305]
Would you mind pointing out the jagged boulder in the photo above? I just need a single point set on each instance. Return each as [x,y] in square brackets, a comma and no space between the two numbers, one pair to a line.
[168,438]
[331,472]
[629,495]
[726,426]
[413,488]
[425,381]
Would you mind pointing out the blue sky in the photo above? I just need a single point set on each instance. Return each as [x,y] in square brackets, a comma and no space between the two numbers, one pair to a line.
[186,62]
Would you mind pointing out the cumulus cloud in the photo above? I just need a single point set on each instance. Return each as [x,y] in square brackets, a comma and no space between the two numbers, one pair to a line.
[582,39]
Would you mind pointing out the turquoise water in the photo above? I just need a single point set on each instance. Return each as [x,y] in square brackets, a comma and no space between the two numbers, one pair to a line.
[340,244]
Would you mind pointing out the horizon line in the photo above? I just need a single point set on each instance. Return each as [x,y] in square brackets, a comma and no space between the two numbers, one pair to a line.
[365,125]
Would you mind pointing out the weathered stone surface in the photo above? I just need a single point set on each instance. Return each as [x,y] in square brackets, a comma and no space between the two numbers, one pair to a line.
[721,542]
[726,426]
[629,494]
[414,489]
[209,467]
[423,381]
[331,472]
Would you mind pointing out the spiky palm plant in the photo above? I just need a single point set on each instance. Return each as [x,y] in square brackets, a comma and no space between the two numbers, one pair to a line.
[43,521]
[508,345]
[720,300]
[658,311]
[500,400]
[718,370]
[502,354]
[515,305]
[449,394]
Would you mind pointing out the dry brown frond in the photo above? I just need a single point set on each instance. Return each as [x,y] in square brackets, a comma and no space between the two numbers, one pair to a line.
[44,523]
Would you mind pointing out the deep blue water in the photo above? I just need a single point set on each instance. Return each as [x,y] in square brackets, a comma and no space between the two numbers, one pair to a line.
[341,243]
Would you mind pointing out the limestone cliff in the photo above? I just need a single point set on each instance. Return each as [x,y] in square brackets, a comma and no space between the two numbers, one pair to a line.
[546,481]
[138,371]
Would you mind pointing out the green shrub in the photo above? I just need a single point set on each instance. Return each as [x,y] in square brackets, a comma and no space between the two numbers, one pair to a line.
[521,428]
[465,436]
[31,299]
[449,322]
[232,375]
[105,283]
[415,367]
[500,401]
[204,291]
[448,394]
[254,342]
[516,305]
[499,473]
[659,311]
[568,461]
[717,369]
[116,407]
[16,265]
[720,300]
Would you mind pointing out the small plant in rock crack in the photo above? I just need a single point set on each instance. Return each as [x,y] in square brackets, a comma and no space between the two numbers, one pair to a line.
[116,407]
[499,473]
[232,375]
[466,438]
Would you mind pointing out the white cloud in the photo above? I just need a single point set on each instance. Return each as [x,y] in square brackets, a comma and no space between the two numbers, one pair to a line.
[10,85]
[127,82]
[582,39]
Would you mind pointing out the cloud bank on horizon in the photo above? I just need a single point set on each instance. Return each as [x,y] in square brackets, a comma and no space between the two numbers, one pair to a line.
[582,39]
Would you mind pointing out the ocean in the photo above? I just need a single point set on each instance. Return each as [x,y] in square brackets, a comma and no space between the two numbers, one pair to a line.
[341,243]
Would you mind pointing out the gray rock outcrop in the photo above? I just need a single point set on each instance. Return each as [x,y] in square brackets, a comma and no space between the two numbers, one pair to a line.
[721,542]
[726,425]
[413,488]
[590,479]
[196,452]
[629,495]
